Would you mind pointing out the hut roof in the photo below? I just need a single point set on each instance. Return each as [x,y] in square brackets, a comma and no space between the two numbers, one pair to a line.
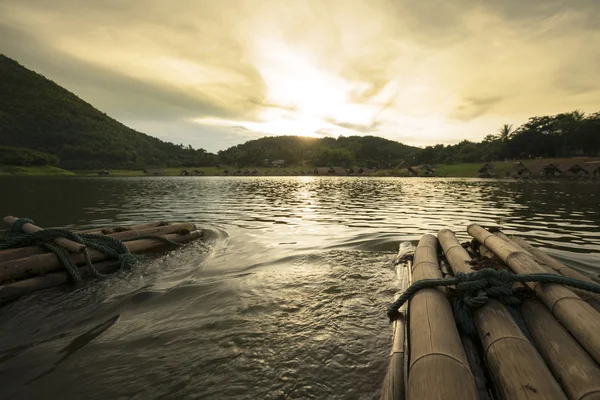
[486,167]
[519,166]
[330,171]
[404,164]
[577,169]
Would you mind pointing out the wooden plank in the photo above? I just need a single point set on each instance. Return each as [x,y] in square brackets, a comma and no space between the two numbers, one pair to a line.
[438,366]
[580,319]
[572,366]
[512,360]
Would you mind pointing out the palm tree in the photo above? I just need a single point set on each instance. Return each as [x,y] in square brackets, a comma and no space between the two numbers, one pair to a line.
[578,115]
[505,132]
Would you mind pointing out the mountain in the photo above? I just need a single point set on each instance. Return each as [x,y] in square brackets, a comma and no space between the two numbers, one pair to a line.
[367,151]
[38,114]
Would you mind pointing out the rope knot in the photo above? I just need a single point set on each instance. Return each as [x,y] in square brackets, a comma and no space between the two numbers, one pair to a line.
[472,290]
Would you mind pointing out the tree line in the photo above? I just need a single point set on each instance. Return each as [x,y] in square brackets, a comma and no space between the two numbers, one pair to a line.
[368,151]
[568,134]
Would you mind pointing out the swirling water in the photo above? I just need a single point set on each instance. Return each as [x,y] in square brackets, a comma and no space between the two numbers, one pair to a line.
[284,298]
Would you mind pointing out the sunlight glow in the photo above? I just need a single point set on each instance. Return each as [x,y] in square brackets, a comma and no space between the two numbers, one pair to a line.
[398,69]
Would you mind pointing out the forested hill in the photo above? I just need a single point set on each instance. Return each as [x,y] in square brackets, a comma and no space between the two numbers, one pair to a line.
[38,114]
[344,151]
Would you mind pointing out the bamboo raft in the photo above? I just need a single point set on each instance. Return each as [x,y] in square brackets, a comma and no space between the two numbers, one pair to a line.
[548,348]
[27,269]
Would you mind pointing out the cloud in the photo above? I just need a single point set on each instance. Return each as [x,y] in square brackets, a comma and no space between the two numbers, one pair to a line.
[473,107]
[216,73]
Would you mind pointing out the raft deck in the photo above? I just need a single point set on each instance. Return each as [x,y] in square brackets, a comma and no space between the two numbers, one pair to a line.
[538,338]
[33,259]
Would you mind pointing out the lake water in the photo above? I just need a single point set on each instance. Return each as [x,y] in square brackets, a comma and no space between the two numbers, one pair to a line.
[285,297]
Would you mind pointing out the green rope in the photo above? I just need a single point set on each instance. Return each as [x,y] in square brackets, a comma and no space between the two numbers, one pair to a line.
[474,289]
[112,247]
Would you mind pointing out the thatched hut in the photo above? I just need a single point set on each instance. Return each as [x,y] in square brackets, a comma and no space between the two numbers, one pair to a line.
[520,170]
[551,170]
[361,171]
[331,171]
[487,171]
[427,169]
[594,168]
[184,172]
[578,171]
[403,164]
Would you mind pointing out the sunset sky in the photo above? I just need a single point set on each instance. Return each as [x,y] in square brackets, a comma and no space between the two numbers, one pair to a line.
[217,73]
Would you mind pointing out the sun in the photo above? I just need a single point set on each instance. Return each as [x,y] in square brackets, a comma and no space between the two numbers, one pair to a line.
[307,98]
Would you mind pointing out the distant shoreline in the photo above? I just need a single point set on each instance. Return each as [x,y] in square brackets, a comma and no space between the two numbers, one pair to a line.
[465,170]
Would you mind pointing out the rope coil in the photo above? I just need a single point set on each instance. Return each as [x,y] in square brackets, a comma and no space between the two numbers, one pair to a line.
[474,289]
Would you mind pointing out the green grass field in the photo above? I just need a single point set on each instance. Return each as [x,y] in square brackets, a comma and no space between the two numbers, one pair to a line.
[33,171]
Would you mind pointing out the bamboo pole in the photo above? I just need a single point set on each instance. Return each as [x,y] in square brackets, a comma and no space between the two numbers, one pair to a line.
[49,262]
[518,370]
[485,252]
[394,387]
[22,252]
[580,319]
[438,367]
[554,267]
[30,228]
[106,231]
[476,366]
[26,286]
[547,260]
[572,366]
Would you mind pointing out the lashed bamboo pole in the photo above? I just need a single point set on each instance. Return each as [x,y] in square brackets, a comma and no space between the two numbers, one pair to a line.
[17,289]
[73,247]
[394,387]
[580,319]
[106,231]
[22,252]
[477,366]
[485,252]
[554,267]
[572,366]
[518,370]
[545,259]
[49,262]
[438,367]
